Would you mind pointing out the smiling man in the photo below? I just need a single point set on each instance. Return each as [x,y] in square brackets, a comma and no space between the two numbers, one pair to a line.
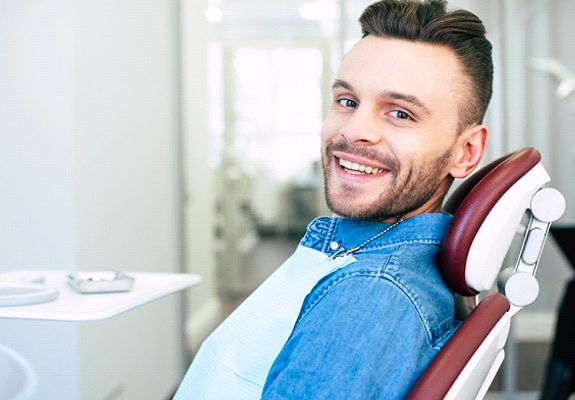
[393,139]
[360,309]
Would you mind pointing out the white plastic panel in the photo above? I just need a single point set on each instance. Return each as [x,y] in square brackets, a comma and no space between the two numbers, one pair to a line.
[479,372]
[493,239]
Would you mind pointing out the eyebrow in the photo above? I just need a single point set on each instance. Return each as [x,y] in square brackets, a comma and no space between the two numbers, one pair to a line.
[388,94]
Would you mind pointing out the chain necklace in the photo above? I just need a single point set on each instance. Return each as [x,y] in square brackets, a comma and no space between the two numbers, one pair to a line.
[343,252]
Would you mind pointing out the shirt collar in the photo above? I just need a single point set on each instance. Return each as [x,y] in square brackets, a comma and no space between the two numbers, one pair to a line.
[347,233]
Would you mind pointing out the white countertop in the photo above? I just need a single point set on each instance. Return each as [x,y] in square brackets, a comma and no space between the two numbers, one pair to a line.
[70,305]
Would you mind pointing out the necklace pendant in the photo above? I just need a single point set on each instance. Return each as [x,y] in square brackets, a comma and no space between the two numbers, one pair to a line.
[339,253]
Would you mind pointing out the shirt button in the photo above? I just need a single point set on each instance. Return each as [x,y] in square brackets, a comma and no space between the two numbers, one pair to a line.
[334,245]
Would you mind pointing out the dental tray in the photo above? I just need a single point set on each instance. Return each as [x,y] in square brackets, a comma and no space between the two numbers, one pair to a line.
[100,282]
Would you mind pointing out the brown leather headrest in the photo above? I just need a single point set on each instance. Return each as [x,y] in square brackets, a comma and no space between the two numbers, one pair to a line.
[470,204]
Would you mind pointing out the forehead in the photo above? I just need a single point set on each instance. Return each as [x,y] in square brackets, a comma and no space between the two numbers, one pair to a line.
[430,72]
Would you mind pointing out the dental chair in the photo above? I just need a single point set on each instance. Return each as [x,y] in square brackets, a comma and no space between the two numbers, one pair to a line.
[502,204]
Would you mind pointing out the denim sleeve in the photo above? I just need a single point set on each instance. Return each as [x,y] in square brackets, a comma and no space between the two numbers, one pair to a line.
[361,339]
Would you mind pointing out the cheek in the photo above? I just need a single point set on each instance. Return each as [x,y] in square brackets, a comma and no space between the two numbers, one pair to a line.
[330,128]
[413,151]
[326,135]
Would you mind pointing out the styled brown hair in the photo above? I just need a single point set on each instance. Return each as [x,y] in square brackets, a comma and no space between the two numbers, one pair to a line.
[430,21]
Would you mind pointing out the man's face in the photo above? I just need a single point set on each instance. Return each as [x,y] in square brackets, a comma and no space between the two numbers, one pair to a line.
[391,128]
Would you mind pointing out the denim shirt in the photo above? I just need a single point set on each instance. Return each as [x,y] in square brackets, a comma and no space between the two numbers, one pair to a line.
[361,326]
[368,330]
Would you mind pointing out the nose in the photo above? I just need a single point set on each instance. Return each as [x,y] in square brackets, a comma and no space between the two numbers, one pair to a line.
[362,128]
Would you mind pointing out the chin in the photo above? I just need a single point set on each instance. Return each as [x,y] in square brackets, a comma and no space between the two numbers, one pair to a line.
[353,210]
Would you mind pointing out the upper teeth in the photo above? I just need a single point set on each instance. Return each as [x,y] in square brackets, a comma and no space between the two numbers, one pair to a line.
[358,167]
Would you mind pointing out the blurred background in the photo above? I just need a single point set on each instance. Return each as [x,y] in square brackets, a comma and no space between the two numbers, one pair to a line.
[183,136]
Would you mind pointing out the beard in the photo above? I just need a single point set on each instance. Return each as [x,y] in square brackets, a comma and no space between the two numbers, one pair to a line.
[399,197]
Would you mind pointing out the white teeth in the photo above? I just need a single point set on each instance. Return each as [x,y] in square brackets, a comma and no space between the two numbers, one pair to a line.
[351,166]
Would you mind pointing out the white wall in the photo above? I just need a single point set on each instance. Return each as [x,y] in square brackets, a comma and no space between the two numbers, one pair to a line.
[127,141]
[37,134]
[89,171]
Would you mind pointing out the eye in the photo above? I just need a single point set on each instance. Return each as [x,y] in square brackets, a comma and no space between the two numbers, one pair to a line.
[400,114]
[348,103]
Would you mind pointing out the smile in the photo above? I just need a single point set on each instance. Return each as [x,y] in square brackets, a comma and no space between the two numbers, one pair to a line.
[355,168]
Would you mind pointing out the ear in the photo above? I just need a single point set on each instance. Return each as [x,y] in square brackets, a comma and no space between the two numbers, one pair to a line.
[469,149]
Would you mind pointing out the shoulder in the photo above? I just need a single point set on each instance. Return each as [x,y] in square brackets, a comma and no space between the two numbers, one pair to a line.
[359,329]
[399,282]
[414,268]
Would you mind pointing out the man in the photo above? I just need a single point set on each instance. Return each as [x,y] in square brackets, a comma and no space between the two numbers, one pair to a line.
[359,310]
